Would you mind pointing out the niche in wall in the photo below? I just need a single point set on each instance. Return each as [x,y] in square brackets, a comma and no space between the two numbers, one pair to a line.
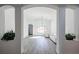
[8,20]
[70,21]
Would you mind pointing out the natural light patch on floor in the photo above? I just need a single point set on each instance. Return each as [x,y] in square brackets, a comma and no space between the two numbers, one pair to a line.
[41,41]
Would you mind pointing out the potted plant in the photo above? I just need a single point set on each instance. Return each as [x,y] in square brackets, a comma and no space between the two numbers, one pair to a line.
[70,36]
[8,36]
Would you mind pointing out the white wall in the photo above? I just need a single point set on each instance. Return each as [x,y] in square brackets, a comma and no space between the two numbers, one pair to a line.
[1,22]
[77,23]
[9,19]
[37,24]
[54,23]
[25,24]
[70,21]
[39,16]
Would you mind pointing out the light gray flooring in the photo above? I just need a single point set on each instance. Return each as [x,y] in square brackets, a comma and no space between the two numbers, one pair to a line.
[38,45]
[71,47]
[9,47]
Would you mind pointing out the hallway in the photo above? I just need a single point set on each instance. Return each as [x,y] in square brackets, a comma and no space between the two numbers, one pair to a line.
[38,45]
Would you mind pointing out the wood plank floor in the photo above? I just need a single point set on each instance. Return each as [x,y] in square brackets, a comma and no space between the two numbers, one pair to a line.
[38,45]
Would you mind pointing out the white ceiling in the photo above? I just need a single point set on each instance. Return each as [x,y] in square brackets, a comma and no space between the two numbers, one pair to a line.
[41,13]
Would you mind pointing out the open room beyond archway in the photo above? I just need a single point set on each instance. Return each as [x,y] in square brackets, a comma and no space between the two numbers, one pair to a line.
[42,18]
[39,21]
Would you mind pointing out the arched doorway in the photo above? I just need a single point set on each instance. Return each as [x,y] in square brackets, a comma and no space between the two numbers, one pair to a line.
[8,18]
[43,19]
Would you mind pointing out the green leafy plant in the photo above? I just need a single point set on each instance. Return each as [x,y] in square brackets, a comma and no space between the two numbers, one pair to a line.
[70,36]
[8,36]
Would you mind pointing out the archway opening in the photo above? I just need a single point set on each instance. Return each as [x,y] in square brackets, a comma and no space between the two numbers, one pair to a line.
[10,19]
[41,22]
